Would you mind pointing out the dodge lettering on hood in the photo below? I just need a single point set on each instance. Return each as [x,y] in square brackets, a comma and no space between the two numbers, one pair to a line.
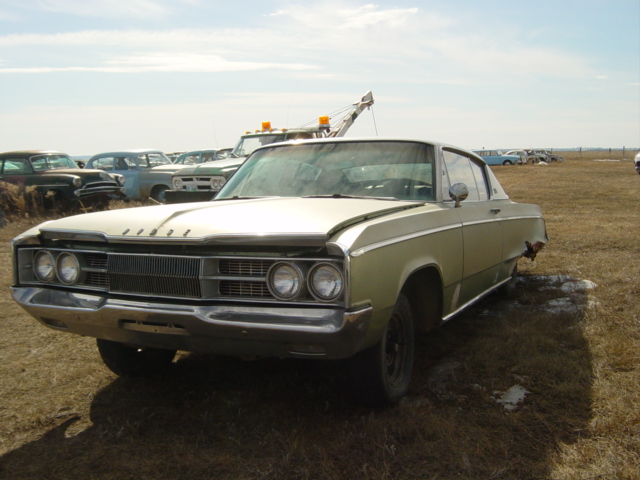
[324,249]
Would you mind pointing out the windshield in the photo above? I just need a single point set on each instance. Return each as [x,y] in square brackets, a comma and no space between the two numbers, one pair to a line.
[247,145]
[396,170]
[52,162]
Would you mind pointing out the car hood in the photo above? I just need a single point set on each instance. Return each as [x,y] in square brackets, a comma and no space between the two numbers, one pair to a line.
[88,174]
[264,221]
[168,168]
[214,167]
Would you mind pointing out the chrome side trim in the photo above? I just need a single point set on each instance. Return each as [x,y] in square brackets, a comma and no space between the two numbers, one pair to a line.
[475,299]
[410,236]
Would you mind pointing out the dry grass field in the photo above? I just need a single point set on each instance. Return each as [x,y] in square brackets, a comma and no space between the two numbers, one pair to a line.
[575,351]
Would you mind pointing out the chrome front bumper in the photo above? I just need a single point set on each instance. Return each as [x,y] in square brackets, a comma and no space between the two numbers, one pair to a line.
[239,330]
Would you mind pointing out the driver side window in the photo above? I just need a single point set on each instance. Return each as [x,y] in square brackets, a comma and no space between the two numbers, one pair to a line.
[461,168]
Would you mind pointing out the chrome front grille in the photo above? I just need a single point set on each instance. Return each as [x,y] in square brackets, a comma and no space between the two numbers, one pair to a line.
[96,260]
[205,277]
[245,267]
[244,289]
[155,275]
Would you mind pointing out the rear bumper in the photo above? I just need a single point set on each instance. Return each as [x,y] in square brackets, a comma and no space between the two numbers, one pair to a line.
[239,330]
[185,196]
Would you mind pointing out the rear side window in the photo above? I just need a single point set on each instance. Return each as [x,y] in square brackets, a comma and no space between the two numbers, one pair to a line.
[461,168]
[104,163]
[15,166]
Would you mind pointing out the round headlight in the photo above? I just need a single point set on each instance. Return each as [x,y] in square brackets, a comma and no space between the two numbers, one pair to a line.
[177,183]
[121,180]
[44,266]
[285,280]
[217,183]
[326,282]
[77,182]
[68,268]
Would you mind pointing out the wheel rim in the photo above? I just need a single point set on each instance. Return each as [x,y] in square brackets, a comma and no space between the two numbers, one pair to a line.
[395,351]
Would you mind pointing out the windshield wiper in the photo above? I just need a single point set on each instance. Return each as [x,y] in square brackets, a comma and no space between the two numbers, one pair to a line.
[339,195]
[240,197]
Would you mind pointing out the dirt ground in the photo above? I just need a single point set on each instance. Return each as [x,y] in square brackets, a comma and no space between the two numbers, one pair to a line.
[545,385]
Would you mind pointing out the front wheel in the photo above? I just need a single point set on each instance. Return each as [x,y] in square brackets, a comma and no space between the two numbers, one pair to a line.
[158,193]
[379,376]
[127,361]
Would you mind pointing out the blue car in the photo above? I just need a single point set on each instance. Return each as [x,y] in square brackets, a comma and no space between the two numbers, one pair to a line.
[496,157]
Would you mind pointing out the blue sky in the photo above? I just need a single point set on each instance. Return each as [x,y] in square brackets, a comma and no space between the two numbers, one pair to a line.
[86,76]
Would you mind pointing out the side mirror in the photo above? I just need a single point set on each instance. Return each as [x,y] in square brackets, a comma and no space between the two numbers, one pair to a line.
[458,192]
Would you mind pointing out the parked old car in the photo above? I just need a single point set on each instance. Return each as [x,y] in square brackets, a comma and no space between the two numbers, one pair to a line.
[636,161]
[58,178]
[320,249]
[197,157]
[526,156]
[147,173]
[548,156]
[496,157]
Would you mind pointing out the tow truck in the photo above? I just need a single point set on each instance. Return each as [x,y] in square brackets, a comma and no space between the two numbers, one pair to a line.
[202,182]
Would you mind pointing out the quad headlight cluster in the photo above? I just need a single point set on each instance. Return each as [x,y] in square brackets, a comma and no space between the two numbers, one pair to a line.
[292,280]
[217,182]
[66,267]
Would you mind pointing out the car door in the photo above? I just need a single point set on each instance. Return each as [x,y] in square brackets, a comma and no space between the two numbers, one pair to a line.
[15,170]
[481,225]
[129,169]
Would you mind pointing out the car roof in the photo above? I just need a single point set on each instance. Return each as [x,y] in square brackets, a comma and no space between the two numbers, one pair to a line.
[436,144]
[124,153]
[194,152]
[30,153]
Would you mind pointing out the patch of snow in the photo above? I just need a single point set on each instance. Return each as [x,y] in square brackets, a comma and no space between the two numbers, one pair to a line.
[605,160]
[554,279]
[578,286]
[512,397]
[559,305]
[592,303]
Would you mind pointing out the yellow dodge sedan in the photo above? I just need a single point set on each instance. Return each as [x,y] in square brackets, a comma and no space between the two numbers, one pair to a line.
[323,249]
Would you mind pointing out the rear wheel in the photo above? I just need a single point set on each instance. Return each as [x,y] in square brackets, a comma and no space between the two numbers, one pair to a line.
[127,361]
[507,162]
[380,375]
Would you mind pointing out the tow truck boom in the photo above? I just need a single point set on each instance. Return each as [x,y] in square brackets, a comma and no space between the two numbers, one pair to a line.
[341,128]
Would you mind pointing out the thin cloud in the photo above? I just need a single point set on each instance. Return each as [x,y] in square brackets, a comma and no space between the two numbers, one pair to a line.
[332,40]
[105,8]
[158,62]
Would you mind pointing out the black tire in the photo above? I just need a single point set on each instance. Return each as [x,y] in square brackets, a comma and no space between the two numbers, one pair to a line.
[379,376]
[127,361]
[158,193]
[507,162]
